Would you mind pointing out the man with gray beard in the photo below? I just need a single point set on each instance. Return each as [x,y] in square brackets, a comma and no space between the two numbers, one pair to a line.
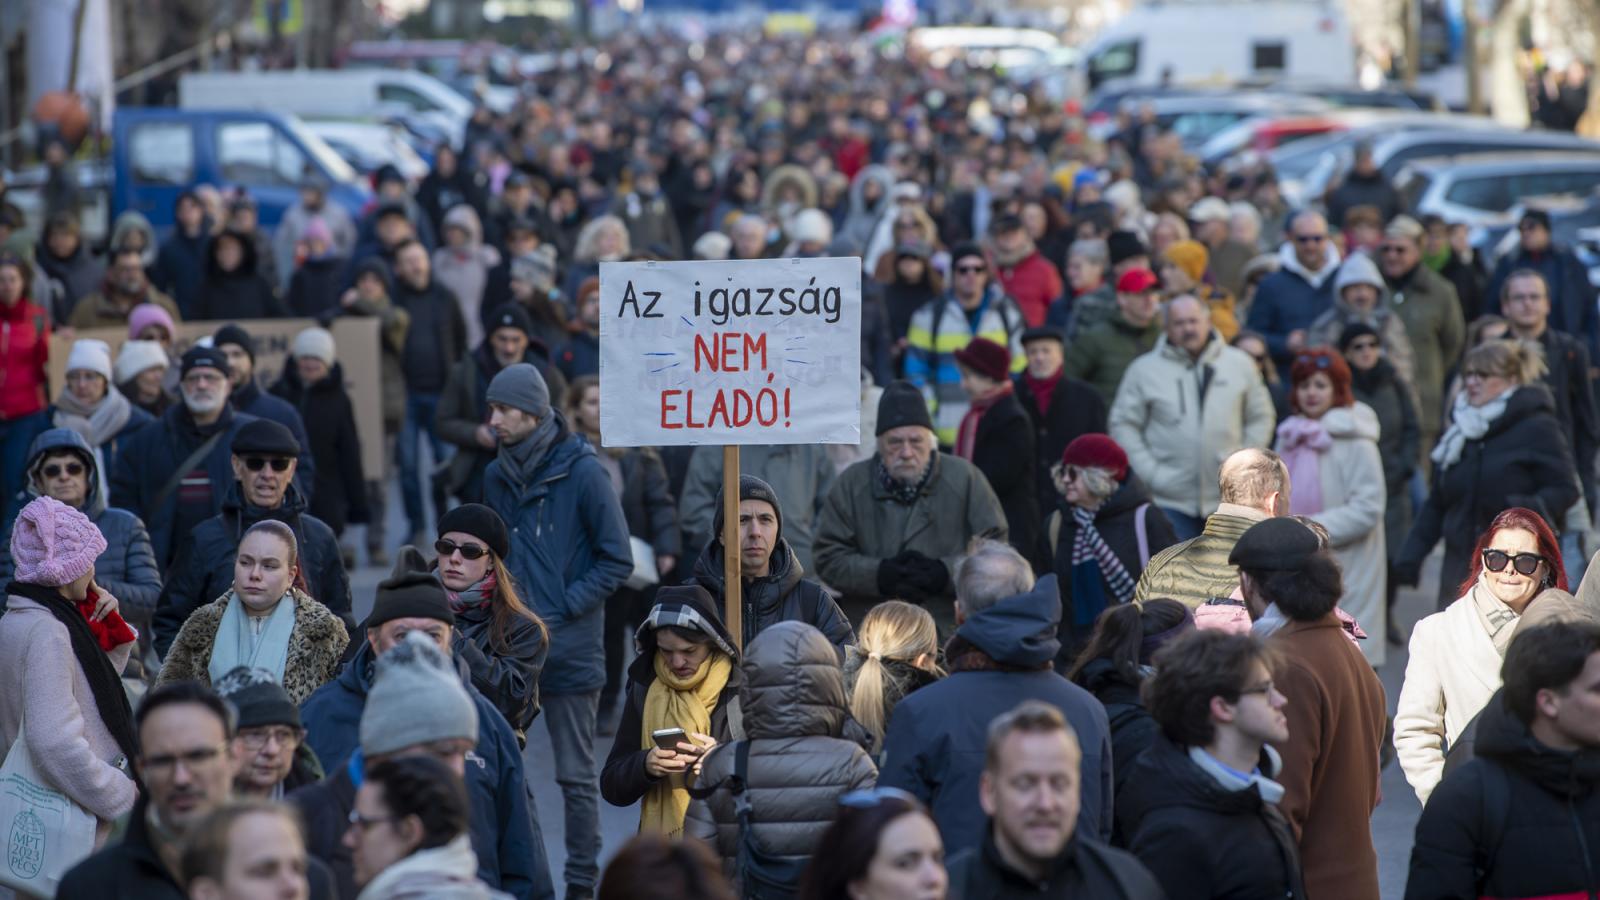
[167,472]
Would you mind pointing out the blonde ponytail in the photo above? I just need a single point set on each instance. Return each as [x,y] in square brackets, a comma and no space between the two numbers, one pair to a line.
[892,630]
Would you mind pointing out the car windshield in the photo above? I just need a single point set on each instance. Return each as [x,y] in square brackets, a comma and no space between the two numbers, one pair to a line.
[332,163]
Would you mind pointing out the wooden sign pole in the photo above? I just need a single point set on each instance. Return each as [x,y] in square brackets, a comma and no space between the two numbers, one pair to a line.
[732,593]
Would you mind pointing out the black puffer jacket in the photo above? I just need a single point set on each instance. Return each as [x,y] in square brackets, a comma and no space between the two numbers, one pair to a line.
[241,294]
[624,781]
[316,286]
[782,595]
[339,494]
[204,568]
[1085,868]
[1526,816]
[1202,840]
[1523,460]
[1132,729]
[437,336]
[800,763]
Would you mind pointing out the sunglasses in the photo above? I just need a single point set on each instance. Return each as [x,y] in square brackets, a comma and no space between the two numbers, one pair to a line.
[871,797]
[1363,345]
[468,551]
[1524,563]
[1310,238]
[257,463]
[1322,363]
[968,270]
[1067,473]
[54,469]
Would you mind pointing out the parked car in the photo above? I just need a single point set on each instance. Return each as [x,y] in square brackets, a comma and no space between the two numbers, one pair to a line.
[368,146]
[332,94]
[1483,189]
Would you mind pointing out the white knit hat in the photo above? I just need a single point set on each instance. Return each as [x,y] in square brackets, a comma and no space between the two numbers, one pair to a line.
[136,357]
[316,343]
[811,225]
[92,355]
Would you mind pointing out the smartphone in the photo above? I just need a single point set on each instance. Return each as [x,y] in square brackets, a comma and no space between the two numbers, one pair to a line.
[668,738]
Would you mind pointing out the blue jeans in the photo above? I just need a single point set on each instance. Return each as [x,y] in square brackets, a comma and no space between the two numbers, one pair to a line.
[420,409]
[571,720]
[16,436]
[1184,525]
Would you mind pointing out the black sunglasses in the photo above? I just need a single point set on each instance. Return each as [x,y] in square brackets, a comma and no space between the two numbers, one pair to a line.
[1310,238]
[969,270]
[54,469]
[257,463]
[468,551]
[1524,563]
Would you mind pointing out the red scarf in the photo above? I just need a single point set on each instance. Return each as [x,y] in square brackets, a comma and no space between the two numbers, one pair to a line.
[1043,388]
[967,434]
[110,632]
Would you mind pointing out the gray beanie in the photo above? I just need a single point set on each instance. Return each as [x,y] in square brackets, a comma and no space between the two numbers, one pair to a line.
[521,387]
[415,698]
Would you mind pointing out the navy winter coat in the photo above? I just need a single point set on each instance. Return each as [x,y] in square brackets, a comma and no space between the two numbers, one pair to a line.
[1286,301]
[501,822]
[569,552]
[935,744]
[1566,278]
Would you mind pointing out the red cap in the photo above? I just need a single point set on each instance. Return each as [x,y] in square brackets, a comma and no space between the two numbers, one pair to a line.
[1137,281]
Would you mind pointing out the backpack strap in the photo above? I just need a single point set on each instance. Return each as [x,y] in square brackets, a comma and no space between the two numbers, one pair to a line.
[735,714]
[184,468]
[1143,534]
[1054,527]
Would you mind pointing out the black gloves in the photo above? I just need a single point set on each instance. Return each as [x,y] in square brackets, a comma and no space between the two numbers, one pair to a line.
[912,576]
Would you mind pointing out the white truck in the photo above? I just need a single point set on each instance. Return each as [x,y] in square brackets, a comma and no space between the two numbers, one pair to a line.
[358,94]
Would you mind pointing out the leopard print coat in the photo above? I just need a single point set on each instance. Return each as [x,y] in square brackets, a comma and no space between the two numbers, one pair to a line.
[315,646]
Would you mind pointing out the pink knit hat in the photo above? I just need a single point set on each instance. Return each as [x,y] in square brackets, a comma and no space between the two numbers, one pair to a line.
[146,314]
[54,544]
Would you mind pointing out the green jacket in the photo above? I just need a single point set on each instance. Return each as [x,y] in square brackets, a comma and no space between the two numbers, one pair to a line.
[1428,306]
[861,525]
[1195,571]
[1101,354]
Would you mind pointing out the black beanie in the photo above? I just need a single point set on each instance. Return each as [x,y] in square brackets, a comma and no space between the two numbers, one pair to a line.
[257,701]
[233,334]
[410,592]
[1122,245]
[511,315]
[1352,331]
[750,488]
[198,357]
[482,523]
[902,404]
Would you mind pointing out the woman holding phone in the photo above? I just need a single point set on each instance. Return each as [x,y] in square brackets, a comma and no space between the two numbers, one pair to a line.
[675,708]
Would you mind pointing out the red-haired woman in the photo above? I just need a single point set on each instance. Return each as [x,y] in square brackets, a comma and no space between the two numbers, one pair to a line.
[1330,445]
[1456,654]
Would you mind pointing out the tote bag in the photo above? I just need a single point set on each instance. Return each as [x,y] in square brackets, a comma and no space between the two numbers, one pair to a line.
[44,831]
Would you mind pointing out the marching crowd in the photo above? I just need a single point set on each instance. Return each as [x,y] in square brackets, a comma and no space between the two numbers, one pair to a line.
[1093,610]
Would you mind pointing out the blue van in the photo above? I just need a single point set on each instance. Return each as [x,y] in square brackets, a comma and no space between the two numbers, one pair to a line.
[159,152]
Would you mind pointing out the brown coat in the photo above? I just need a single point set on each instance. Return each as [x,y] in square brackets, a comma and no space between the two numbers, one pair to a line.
[315,646]
[1330,762]
[96,310]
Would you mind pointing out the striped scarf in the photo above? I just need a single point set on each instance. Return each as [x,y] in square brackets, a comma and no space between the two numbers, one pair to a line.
[1089,545]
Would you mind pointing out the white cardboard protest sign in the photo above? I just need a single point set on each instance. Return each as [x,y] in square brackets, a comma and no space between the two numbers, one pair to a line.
[731,352]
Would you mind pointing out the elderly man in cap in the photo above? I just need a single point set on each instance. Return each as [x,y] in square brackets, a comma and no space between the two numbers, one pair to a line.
[1426,302]
[895,526]
[1061,408]
[170,473]
[1101,354]
[267,744]
[463,415]
[404,694]
[569,552]
[1572,308]
[264,458]
[247,397]
[1213,227]
[1336,705]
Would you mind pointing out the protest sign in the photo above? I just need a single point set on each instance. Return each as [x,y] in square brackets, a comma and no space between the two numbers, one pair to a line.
[730,352]
[356,339]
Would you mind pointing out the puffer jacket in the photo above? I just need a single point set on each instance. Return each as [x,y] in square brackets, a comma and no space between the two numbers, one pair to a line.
[795,714]
[1523,815]
[1102,354]
[316,643]
[127,568]
[1202,840]
[1197,571]
[1522,460]
[862,525]
[204,569]
[784,594]
[1178,418]
[941,328]
[24,349]
[464,270]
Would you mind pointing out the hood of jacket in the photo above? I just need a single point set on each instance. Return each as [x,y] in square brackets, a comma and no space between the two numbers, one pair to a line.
[1108,684]
[1021,630]
[642,670]
[1354,421]
[465,218]
[782,576]
[858,202]
[1503,738]
[56,439]
[1164,776]
[131,221]
[247,258]
[1291,263]
[793,685]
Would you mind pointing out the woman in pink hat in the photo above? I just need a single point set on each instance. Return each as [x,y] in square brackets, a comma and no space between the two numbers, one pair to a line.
[62,650]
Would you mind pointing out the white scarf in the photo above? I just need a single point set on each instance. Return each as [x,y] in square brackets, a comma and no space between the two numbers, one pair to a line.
[239,644]
[96,424]
[1468,423]
[450,870]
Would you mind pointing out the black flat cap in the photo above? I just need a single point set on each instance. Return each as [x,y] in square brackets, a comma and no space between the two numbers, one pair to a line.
[266,437]
[1275,545]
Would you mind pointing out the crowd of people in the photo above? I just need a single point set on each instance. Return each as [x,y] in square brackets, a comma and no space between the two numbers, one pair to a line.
[1094,608]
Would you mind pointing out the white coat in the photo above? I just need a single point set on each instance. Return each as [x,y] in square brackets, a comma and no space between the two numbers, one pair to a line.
[1453,671]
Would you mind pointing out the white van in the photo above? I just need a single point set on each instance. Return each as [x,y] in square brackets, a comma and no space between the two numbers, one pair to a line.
[332,94]
[1222,42]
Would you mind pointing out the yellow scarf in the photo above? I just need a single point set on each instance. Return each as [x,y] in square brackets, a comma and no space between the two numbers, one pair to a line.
[685,703]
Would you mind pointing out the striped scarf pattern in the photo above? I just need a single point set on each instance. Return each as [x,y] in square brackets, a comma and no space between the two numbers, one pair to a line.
[1089,545]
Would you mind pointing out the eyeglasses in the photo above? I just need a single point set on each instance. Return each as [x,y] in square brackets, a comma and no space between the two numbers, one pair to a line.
[1322,363]
[256,740]
[1478,374]
[1310,238]
[468,551]
[1363,345]
[357,820]
[1523,563]
[167,763]
[1065,472]
[871,797]
[54,469]
[968,270]
[257,463]
[1264,689]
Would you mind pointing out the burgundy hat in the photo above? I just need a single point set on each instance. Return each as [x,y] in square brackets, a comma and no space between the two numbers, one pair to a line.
[987,358]
[1096,451]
